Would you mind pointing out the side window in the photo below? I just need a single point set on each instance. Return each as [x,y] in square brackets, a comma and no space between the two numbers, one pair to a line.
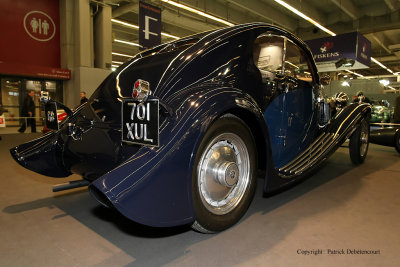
[296,63]
[268,55]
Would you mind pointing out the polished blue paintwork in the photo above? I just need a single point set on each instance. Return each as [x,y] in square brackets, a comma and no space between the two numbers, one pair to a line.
[197,80]
[289,139]
[152,170]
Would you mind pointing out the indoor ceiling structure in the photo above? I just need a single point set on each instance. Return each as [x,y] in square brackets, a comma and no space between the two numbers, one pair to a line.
[377,20]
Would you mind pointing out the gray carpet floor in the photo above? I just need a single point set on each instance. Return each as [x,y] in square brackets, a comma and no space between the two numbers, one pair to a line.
[341,216]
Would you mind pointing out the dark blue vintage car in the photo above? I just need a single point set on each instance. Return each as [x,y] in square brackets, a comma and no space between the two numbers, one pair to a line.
[178,134]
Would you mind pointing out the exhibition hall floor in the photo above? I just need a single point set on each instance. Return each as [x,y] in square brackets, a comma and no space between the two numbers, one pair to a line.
[340,209]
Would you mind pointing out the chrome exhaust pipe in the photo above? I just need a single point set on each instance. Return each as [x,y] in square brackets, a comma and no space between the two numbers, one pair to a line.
[70,185]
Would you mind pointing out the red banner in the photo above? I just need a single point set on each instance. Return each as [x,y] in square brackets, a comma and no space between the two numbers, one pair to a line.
[30,37]
[34,71]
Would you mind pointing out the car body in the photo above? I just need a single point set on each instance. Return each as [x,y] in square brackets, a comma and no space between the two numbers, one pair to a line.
[387,136]
[232,103]
[337,103]
[380,113]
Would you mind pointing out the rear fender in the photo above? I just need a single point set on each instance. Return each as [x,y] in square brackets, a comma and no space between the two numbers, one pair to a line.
[154,186]
[42,155]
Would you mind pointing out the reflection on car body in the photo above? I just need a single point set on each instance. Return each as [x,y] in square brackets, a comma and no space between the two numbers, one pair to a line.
[222,118]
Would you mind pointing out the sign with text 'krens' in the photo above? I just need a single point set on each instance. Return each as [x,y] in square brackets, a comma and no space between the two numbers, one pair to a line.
[149,25]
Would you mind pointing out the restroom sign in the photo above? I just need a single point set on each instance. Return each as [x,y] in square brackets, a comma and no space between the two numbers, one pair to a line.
[39,26]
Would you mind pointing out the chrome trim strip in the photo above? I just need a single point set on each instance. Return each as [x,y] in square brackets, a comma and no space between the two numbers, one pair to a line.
[317,149]
[306,153]
[322,151]
[320,148]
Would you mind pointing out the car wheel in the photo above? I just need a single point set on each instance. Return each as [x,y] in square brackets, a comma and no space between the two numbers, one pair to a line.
[397,141]
[359,142]
[224,175]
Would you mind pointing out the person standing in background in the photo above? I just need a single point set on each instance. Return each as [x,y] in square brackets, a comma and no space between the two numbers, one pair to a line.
[28,110]
[361,98]
[83,98]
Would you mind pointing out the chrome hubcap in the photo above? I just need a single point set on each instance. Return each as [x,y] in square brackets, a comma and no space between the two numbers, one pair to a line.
[223,172]
[364,138]
[227,174]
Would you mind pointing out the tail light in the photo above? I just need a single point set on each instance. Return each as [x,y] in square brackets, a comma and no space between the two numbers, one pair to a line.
[141,90]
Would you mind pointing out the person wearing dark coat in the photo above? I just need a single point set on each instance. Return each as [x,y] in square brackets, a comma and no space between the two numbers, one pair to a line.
[28,110]
[83,98]
[361,98]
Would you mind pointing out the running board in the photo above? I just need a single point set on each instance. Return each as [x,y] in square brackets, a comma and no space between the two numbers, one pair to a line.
[309,157]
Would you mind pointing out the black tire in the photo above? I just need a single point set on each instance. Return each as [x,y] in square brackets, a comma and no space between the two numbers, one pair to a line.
[224,175]
[359,142]
[397,141]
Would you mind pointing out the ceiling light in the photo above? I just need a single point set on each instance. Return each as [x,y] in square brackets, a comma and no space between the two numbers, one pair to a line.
[384,82]
[119,54]
[381,65]
[130,25]
[304,17]
[355,73]
[346,83]
[126,42]
[125,23]
[169,35]
[198,12]
[117,62]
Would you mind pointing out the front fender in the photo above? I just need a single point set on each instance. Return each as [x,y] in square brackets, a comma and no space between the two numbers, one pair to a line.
[348,120]
[153,187]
